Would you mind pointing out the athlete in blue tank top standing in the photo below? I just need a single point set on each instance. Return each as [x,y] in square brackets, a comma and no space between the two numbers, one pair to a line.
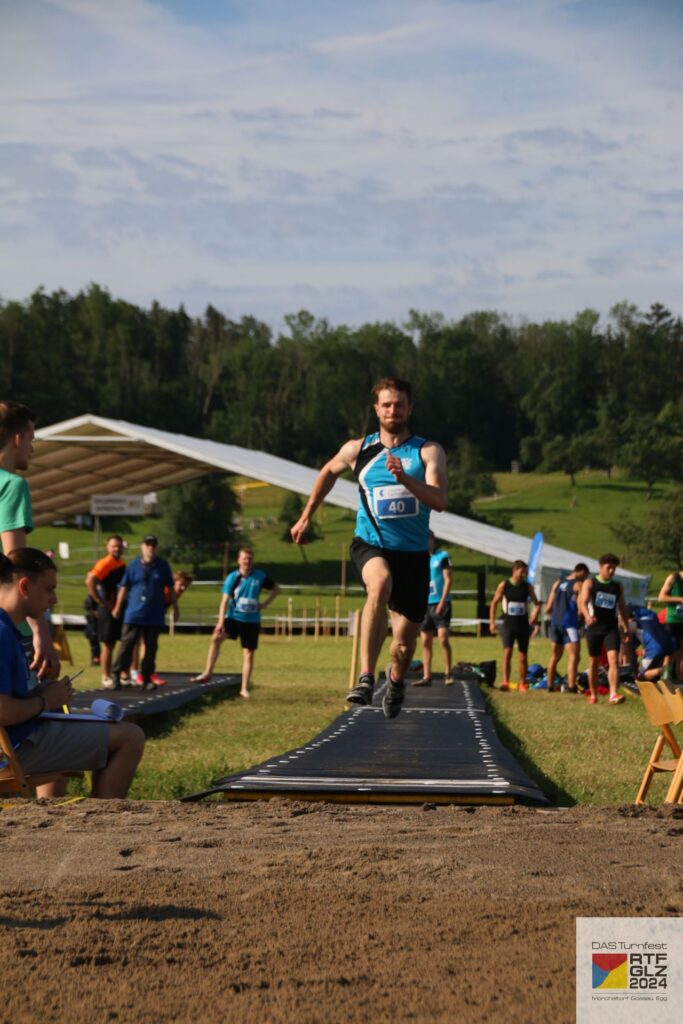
[562,605]
[401,477]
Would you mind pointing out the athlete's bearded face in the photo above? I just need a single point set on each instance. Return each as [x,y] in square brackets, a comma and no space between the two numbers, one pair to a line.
[393,410]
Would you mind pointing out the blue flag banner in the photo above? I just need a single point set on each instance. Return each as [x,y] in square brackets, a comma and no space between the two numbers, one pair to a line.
[535,556]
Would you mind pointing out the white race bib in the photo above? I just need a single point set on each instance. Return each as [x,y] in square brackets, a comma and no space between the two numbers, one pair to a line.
[516,608]
[603,600]
[394,502]
[246,604]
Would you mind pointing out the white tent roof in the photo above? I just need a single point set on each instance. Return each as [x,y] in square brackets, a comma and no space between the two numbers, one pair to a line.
[90,455]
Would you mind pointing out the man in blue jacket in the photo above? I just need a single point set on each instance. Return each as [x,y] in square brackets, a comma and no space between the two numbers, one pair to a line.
[146,583]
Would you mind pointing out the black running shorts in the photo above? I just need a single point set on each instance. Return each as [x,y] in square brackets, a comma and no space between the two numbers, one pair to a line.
[432,622]
[516,631]
[247,632]
[596,638]
[409,575]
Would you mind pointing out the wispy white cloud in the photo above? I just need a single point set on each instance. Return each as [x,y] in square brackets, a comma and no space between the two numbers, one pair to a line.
[368,157]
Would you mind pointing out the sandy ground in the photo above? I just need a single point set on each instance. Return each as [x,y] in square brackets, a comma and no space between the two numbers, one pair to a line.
[288,911]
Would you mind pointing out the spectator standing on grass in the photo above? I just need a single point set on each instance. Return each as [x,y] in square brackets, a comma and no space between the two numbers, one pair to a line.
[401,478]
[601,602]
[239,616]
[515,594]
[143,590]
[563,608]
[438,615]
[103,582]
[112,751]
[17,429]
[671,595]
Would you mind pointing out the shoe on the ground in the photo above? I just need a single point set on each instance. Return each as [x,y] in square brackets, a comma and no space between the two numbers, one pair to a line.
[616,698]
[394,695]
[136,678]
[362,693]
[523,687]
[449,680]
[201,678]
[157,680]
[108,683]
[591,699]
[504,686]
[427,681]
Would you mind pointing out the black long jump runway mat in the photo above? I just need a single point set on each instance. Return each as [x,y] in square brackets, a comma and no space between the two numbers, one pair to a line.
[442,748]
[178,691]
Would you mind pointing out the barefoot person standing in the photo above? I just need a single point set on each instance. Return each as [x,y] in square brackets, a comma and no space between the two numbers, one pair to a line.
[239,615]
[401,478]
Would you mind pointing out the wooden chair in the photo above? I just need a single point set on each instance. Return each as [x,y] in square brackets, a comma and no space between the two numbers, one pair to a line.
[664,709]
[14,781]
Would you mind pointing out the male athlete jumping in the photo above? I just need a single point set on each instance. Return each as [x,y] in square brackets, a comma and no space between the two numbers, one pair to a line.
[401,477]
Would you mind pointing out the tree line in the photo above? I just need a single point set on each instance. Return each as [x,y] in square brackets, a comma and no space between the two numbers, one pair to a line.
[556,395]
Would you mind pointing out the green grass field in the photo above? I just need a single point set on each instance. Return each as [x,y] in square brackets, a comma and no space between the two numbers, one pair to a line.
[576,753]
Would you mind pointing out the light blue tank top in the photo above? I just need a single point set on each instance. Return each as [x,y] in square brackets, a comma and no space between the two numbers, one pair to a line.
[389,516]
[439,561]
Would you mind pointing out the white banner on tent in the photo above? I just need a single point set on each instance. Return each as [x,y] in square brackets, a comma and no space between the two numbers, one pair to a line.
[117,505]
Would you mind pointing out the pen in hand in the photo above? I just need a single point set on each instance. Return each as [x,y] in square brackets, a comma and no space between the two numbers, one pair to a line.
[65,707]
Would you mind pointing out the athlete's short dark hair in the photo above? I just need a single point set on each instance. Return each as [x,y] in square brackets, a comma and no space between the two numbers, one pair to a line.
[24,562]
[519,563]
[394,384]
[114,536]
[14,419]
[608,559]
[581,567]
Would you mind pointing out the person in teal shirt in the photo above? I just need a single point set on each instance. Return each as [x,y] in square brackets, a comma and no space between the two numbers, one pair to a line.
[438,615]
[239,615]
[401,479]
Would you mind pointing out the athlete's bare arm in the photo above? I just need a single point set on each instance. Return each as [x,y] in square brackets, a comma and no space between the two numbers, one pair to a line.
[325,481]
[584,598]
[665,595]
[497,598]
[446,592]
[434,491]
[551,598]
[537,605]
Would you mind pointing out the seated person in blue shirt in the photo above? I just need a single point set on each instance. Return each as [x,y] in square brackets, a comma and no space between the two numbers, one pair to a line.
[239,615]
[28,588]
[658,644]
[145,587]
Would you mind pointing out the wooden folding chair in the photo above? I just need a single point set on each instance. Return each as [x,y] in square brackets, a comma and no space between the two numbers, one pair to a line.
[663,709]
[13,780]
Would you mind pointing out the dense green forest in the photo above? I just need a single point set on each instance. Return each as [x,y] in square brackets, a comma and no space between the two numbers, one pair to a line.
[558,395]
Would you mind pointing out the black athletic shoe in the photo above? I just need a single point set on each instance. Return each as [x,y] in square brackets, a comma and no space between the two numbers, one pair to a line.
[394,696]
[362,694]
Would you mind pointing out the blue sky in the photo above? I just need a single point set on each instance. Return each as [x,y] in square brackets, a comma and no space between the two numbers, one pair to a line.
[357,159]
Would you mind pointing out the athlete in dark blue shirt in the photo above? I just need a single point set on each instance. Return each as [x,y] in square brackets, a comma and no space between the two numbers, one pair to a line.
[401,478]
[562,605]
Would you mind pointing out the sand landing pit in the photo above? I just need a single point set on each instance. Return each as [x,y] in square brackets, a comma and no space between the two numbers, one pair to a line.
[308,912]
